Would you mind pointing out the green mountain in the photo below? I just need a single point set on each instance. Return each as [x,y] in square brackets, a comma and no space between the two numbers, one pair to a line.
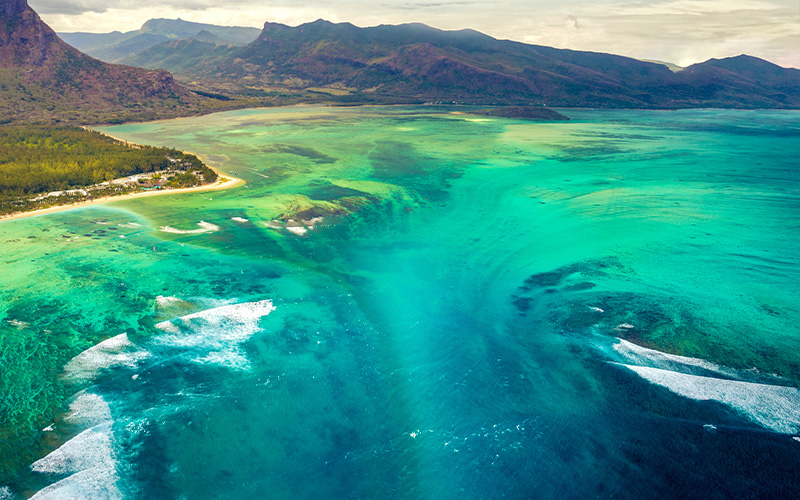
[42,79]
[201,54]
[111,47]
[417,63]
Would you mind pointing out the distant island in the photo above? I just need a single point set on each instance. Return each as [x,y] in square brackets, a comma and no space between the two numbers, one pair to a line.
[523,112]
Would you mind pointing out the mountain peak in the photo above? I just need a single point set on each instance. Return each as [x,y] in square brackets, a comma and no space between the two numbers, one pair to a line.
[12,8]
[739,62]
[26,40]
[38,63]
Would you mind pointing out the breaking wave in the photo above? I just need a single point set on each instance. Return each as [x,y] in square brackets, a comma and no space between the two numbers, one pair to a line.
[88,410]
[116,351]
[91,448]
[776,407]
[215,335]
[87,460]
[94,484]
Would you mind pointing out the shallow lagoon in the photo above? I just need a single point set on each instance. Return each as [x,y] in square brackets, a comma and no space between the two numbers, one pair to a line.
[449,328]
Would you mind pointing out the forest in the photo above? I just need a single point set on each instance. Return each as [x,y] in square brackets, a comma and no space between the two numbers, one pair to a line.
[36,160]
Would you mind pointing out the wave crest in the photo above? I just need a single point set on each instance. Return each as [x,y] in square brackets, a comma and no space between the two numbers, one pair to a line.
[215,335]
[773,406]
[116,351]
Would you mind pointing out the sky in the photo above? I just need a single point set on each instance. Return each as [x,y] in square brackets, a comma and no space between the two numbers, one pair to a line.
[677,31]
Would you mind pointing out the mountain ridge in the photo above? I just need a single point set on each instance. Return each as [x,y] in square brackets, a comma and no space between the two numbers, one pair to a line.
[115,46]
[417,63]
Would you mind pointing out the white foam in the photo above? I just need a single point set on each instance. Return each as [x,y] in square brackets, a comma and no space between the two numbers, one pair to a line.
[91,448]
[216,333]
[169,327]
[88,458]
[298,230]
[205,227]
[230,359]
[245,311]
[657,359]
[240,219]
[5,493]
[773,406]
[95,484]
[116,351]
[88,410]
[130,225]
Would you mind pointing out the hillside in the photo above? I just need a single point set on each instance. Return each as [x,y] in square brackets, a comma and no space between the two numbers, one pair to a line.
[115,46]
[42,79]
[417,63]
[201,54]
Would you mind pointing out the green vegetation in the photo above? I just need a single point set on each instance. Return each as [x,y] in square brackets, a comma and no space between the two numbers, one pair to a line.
[181,180]
[39,160]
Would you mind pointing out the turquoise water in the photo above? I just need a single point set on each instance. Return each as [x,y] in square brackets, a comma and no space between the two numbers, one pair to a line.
[405,302]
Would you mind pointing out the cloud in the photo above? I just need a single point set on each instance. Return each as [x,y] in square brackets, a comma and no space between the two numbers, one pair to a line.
[426,5]
[67,7]
[572,22]
[680,31]
[74,7]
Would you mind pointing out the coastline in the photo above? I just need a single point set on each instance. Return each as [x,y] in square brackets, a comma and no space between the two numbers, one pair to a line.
[230,182]
[217,185]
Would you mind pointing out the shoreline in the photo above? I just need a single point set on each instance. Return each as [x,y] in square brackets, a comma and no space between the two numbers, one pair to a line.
[215,186]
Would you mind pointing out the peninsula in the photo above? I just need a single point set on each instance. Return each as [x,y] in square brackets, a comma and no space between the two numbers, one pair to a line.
[50,169]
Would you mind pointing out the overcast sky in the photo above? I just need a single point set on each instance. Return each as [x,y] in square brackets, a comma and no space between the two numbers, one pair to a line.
[678,31]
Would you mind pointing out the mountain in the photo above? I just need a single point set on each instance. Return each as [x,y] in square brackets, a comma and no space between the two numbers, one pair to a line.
[200,54]
[112,47]
[42,79]
[417,63]
[747,80]
[672,66]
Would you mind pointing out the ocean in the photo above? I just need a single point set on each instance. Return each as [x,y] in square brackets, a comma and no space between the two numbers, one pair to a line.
[411,302]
